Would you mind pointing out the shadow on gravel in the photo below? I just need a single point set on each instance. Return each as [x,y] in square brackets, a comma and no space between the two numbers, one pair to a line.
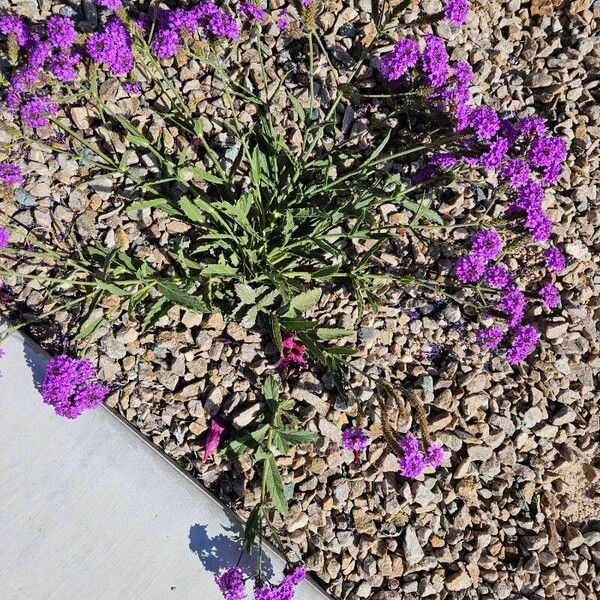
[220,552]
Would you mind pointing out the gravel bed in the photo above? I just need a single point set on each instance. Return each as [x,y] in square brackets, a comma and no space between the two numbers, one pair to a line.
[515,510]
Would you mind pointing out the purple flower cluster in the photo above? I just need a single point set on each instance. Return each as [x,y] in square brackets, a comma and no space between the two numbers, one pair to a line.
[170,25]
[550,295]
[15,26]
[35,112]
[490,337]
[4,235]
[355,439]
[434,60]
[253,11]
[60,31]
[110,4]
[283,591]
[555,259]
[10,173]
[112,47]
[486,245]
[231,584]
[456,11]
[70,386]
[413,461]
[524,341]
[403,57]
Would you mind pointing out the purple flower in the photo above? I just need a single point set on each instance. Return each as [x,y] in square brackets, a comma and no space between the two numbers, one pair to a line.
[355,439]
[555,259]
[486,245]
[539,225]
[443,160]
[10,173]
[531,125]
[435,455]
[463,72]
[409,443]
[550,294]
[63,66]
[293,353]
[253,11]
[60,31]
[456,11]
[285,590]
[231,584]
[411,465]
[133,88]
[523,343]
[435,61]
[222,25]
[469,269]
[496,152]
[397,62]
[4,235]
[213,440]
[283,20]
[497,276]
[490,337]
[165,43]
[484,120]
[15,25]
[34,112]
[512,304]
[112,47]
[529,197]
[547,154]
[110,4]
[516,171]
[70,387]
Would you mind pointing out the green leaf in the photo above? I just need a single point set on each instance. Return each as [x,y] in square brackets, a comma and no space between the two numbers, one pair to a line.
[299,108]
[247,442]
[423,211]
[181,297]
[276,331]
[191,210]
[151,203]
[253,527]
[89,327]
[218,270]
[245,293]
[326,333]
[306,300]
[274,485]
[297,437]
[249,319]
[202,174]
[270,388]
[159,308]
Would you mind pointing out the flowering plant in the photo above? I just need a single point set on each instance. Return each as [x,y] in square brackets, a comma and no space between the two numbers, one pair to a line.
[284,205]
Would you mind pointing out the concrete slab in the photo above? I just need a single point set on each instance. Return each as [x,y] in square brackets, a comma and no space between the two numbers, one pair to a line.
[89,510]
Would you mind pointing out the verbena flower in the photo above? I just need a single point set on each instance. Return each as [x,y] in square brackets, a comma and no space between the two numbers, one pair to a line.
[165,43]
[110,4]
[490,337]
[469,269]
[15,25]
[491,159]
[443,160]
[70,386]
[283,591]
[435,455]
[63,65]
[486,245]
[539,225]
[293,353]
[516,171]
[456,11]
[531,126]
[35,112]
[283,20]
[214,439]
[4,235]
[550,295]
[10,173]
[555,259]
[497,276]
[547,154]
[529,196]
[112,47]
[523,343]
[253,11]
[231,584]
[463,72]
[397,62]
[60,31]
[355,439]
[484,120]
[413,462]
[223,25]
[512,304]
[435,61]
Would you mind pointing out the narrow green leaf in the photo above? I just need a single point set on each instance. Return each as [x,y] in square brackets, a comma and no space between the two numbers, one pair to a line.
[181,297]
[297,437]
[333,333]
[218,270]
[274,485]
[202,174]
[270,388]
